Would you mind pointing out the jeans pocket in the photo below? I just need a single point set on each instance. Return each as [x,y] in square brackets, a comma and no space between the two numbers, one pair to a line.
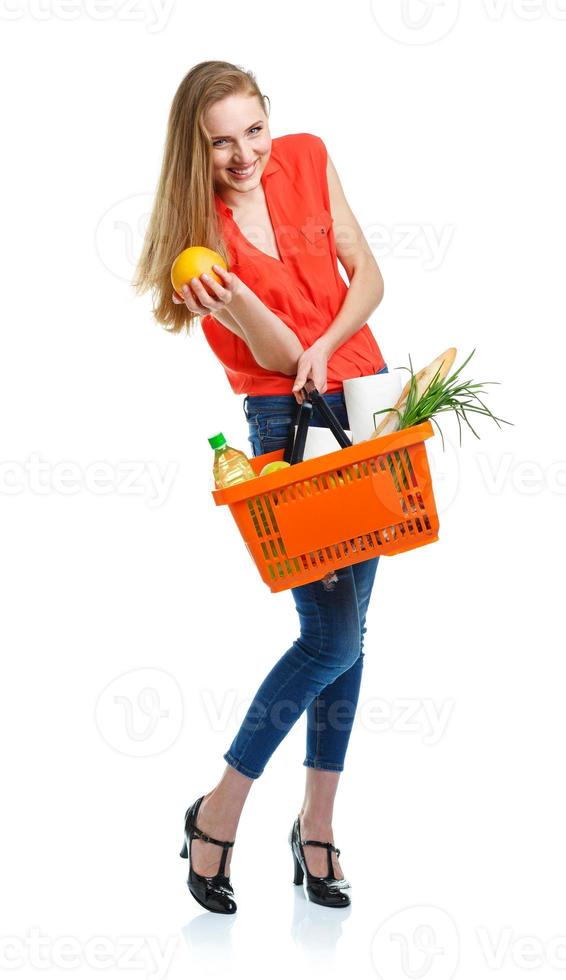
[274,431]
[277,426]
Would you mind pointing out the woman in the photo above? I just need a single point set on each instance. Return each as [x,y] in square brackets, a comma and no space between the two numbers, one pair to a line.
[282,315]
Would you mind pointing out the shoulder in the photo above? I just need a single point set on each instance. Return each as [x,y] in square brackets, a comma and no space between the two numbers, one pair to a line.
[297,147]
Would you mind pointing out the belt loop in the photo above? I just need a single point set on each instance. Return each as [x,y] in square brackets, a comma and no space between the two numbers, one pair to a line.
[246,406]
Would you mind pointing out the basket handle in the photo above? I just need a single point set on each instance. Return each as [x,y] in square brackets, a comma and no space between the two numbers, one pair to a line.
[295,447]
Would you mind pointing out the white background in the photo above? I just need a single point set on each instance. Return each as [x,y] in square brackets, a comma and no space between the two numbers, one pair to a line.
[136,629]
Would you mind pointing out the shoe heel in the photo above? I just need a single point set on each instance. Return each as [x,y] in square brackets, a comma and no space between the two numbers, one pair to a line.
[184,853]
[299,873]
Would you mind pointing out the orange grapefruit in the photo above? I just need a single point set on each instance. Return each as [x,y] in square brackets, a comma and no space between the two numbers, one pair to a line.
[191,263]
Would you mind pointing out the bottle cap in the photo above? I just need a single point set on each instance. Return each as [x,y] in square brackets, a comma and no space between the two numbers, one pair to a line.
[217,441]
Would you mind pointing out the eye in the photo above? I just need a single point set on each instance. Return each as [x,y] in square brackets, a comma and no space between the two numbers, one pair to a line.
[252,130]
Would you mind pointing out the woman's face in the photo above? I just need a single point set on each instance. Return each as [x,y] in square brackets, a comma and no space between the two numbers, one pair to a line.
[239,132]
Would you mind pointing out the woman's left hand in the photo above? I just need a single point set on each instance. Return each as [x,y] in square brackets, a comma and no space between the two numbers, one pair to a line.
[313,364]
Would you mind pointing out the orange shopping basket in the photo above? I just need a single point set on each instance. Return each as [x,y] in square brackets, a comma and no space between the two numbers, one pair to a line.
[306,520]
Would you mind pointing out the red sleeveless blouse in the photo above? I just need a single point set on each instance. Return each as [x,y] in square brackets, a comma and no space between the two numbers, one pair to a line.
[304,288]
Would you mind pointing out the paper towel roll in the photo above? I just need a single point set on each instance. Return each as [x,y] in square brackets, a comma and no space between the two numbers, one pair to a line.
[364,396]
[320,441]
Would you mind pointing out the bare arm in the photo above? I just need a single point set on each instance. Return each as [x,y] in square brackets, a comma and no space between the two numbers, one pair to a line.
[272,343]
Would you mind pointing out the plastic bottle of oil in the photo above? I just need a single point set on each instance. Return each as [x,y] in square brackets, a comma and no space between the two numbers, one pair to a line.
[230,465]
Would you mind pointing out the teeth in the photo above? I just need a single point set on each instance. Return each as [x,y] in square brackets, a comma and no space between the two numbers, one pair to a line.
[246,171]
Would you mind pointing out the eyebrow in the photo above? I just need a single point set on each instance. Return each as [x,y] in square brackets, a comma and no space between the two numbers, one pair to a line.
[245,131]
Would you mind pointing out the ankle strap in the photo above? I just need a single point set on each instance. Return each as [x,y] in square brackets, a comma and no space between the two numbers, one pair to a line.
[212,840]
[320,843]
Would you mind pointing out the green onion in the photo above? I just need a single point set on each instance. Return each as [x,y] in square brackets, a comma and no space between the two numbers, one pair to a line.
[444,395]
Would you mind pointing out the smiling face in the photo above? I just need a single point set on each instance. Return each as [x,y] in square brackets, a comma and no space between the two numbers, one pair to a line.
[241,141]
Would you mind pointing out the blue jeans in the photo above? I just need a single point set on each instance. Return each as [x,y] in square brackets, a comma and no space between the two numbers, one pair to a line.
[321,671]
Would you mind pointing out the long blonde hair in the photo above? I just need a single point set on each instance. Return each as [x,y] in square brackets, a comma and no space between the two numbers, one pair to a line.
[184,212]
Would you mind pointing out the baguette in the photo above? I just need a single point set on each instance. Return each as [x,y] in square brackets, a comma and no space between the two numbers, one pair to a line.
[442,363]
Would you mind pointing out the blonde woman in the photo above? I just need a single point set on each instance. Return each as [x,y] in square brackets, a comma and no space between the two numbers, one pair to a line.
[282,316]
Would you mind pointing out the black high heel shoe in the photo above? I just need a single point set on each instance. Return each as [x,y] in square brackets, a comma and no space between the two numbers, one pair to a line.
[329,891]
[214,893]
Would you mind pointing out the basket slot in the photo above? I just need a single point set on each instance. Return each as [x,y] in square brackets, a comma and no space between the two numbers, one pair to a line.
[271,514]
[255,521]
[254,512]
[401,481]
[410,467]
[278,550]
[401,469]
[393,472]
[294,560]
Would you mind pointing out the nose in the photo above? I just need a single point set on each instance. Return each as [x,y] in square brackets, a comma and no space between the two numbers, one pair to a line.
[239,156]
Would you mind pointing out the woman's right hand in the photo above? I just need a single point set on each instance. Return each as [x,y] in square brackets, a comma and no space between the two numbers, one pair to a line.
[197,298]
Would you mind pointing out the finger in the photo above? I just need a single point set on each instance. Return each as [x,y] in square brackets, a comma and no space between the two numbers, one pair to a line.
[222,293]
[223,273]
[300,381]
[204,298]
[192,303]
